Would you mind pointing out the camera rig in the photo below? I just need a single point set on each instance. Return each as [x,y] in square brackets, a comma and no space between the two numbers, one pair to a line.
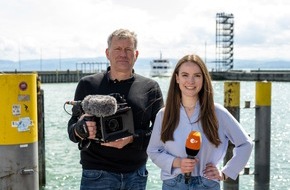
[109,128]
[116,126]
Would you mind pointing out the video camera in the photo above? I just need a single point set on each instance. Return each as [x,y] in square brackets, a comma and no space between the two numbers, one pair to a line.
[117,123]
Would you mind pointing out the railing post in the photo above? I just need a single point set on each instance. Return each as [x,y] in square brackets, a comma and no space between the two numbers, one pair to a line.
[262,135]
[232,104]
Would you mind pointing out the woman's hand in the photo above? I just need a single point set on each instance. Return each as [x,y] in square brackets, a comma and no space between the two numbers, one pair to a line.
[186,165]
[213,173]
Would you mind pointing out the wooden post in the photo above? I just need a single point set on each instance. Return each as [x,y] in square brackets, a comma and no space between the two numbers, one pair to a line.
[41,136]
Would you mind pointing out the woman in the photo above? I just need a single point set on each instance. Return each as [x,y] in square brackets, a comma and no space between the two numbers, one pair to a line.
[190,107]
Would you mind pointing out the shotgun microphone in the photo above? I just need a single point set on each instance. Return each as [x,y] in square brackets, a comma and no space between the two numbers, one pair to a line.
[100,105]
[97,105]
[192,146]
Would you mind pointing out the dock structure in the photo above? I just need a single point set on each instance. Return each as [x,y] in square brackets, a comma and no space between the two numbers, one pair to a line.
[61,76]
[91,67]
[232,75]
[57,76]
[67,76]
[252,75]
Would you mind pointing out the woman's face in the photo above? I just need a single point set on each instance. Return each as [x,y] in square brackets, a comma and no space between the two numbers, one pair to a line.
[189,79]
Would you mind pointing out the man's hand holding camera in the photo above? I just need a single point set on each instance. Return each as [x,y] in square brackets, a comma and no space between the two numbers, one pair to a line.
[86,127]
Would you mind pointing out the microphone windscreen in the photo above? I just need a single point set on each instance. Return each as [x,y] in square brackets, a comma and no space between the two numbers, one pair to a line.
[193,143]
[100,105]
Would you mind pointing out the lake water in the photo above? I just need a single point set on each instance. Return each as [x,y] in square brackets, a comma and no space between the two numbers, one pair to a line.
[63,171]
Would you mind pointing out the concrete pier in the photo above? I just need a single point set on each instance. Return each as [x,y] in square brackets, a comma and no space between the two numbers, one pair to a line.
[252,75]
[234,75]
[57,76]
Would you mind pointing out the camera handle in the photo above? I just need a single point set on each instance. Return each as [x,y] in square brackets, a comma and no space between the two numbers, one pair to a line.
[84,144]
[81,129]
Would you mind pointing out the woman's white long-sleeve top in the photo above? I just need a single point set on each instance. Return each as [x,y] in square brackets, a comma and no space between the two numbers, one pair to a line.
[163,154]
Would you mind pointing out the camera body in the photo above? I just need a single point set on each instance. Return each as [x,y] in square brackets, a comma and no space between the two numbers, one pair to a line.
[109,128]
[116,126]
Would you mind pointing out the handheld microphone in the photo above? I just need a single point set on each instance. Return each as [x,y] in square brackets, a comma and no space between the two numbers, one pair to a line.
[97,105]
[192,146]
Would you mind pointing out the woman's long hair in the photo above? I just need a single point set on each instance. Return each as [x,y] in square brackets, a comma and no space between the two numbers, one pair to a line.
[207,114]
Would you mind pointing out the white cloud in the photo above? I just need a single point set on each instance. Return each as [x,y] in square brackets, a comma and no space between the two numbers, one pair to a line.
[74,28]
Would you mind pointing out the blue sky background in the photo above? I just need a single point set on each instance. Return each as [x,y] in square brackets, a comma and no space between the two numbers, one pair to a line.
[31,29]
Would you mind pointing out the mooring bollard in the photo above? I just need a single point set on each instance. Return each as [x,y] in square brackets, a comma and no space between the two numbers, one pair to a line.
[262,135]
[231,103]
[18,129]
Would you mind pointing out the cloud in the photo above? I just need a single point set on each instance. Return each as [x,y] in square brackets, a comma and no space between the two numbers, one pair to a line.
[73,28]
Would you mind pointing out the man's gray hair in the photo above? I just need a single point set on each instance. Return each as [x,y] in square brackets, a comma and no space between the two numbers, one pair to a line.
[123,34]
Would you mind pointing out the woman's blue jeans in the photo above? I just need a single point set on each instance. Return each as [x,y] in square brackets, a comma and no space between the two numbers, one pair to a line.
[103,180]
[195,183]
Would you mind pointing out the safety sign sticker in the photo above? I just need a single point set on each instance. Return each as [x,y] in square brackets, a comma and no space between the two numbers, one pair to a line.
[16,109]
[23,124]
[23,97]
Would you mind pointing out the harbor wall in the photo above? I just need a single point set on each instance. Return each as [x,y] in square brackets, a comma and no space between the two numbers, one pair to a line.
[252,75]
[57,76]
[234,75]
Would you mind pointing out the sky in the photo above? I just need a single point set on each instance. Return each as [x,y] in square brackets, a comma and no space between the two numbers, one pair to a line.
[47,29]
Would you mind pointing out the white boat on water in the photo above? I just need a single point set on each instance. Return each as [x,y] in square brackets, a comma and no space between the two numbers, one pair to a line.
[161,67]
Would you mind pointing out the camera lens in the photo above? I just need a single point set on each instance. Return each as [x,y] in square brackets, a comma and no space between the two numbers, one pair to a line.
[113,125]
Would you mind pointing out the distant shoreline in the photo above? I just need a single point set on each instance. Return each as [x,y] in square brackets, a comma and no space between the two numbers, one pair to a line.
[85,64]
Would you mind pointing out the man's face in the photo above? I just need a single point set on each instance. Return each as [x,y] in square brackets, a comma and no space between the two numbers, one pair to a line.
[121,55]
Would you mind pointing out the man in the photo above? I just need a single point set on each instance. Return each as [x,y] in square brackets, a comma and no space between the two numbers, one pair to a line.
[120,164]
